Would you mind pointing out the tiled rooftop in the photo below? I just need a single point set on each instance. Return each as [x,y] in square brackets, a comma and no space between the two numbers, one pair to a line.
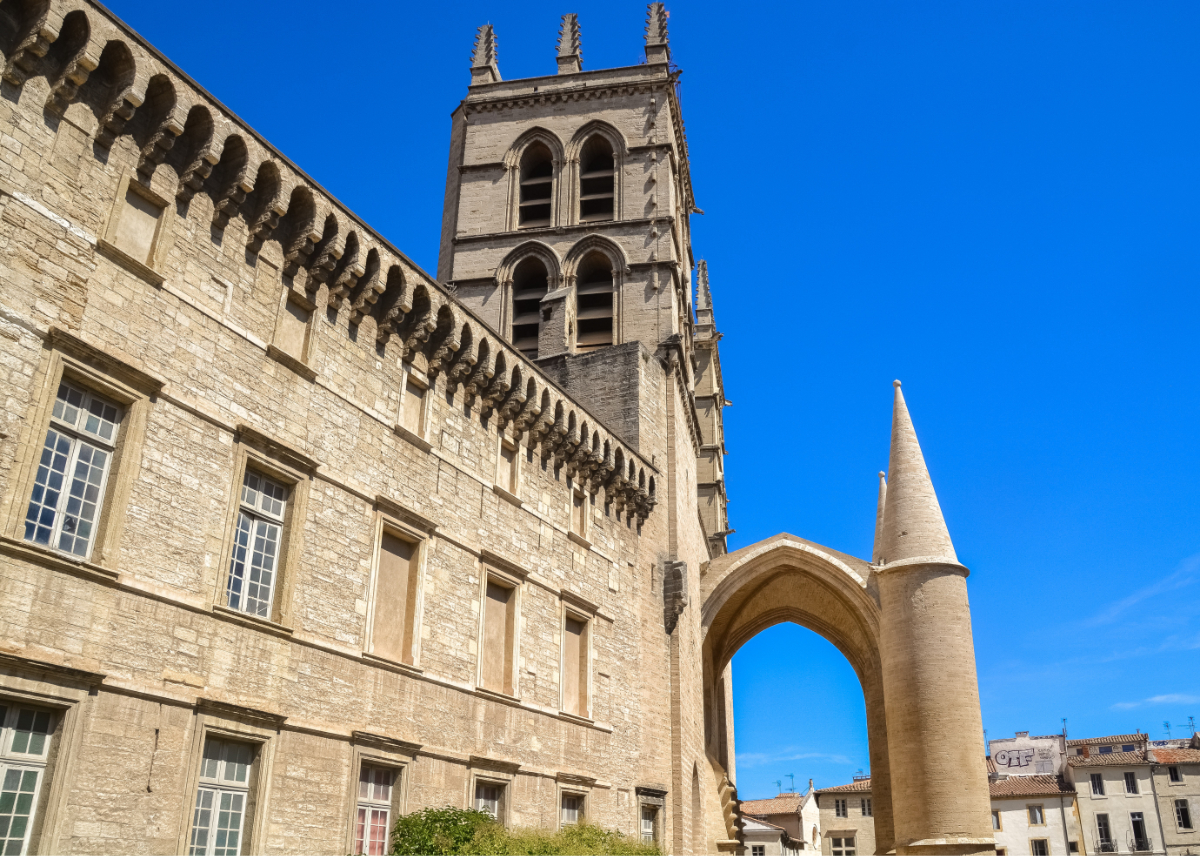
[1113,759]
[1029,786]
[782,804]
[862,786]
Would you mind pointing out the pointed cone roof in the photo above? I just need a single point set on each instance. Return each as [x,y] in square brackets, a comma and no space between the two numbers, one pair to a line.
[878,549]
[913,525]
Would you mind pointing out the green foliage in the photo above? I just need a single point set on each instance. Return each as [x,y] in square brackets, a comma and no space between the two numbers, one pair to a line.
[466,832]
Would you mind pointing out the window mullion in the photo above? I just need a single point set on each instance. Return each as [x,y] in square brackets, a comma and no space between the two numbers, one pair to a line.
[64,494]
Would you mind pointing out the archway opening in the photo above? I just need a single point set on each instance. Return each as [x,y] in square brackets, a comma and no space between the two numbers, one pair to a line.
[594,309]
[530,284]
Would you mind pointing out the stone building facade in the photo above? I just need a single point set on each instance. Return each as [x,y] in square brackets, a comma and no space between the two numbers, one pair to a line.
[295,538]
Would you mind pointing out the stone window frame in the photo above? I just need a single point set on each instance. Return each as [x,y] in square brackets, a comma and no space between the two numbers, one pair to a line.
[512,165]
[497,569]
[163,232]
[300,365]
[1174,771]
[620,149]
[650,795]
[69,693]
[418,378]
[1041,808]
[574,258]
[254,450]
[577,491]
[1184,804]
[506,271]
[1033,850]
[242,725]
[997,820]
[574,606]
[395,520]
[493,771]
[565,788]
[512,491]
[135,391]
[378,751]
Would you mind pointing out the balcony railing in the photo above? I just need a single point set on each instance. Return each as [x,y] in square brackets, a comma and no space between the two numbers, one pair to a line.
[1139,845]
[1106,846]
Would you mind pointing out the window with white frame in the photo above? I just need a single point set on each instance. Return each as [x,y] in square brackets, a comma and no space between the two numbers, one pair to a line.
[257,541]
[1097,784]
[840,808]
[1131,786]
[866,807]
[375,785]
[68,489]
[221,799]
[1039,847]
[649,823]
[489,797]
[843,847]
[25,736]
[572,809]
[1037,817]
[1183,815]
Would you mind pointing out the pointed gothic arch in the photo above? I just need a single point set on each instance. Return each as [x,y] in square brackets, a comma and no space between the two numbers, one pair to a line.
[517,163]
[586,145]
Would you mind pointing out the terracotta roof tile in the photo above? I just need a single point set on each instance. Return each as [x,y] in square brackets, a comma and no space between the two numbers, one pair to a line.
[782,804]
[1114,738]
[1029,786]
[861,786]
[1176,756]
[1114,759]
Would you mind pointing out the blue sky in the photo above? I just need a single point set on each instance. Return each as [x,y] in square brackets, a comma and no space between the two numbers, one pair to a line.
[998,203]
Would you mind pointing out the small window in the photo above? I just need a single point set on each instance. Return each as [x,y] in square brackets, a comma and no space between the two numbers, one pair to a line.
[499,628]
[579,505]
[758,850]
[597,180]
[257,542]
[1106,750]
[507,467]
[1097,784]
[572,809]
[1001,851]
[866,808]
[374,817]
[843,846]
[1128,747]
[1173,775]
[412,406]
[489,797]
[1131,785]
[1039,847]
[1072,846]
[68,489]
[221,799]
[594,303]
[1183,815]
[649,823]
[537,187]
[291,331]
[996,820]
[530,284]
[137,226]
[25,737]
[575,665]
[840,808]
[1036,816]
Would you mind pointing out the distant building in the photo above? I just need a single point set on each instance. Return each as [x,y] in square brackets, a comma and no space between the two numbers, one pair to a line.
[1033,806]
[796,814]
[766,839]
[847,819]
[1175,768]
[1115,791]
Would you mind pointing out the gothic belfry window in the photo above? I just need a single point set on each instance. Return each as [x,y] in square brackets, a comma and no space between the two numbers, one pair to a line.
[537,187]
[530,284]
[594,308]
[597,181]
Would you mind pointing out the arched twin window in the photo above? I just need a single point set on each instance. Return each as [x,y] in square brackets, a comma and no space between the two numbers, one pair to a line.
[530,284]
[594,303]
[597,180]
[537,187]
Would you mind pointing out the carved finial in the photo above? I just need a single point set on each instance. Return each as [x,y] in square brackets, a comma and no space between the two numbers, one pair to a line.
[484,67]
[703,295]
[570,53]
[657,49]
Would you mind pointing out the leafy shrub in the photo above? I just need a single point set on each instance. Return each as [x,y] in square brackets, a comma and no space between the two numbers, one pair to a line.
[467,832]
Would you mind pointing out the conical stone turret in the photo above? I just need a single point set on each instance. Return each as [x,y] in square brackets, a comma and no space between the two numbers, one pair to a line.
[913,526]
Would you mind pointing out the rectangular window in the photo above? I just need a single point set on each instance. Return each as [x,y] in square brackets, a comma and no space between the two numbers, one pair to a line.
[1097,785]
[137,226]
[25,736]
[1072,846]
[1001,851]
[489,797]
[254,565]
[840,808]
[579,513]
[1128,747]
[1173,775]
[221,799]
[1039,847]
[1141,841]
[412,407]
[1036,816]
[375,785]
[843,846]
[291,331]
[572,809]
[996,820]
[1103,830]
[506,467]
[649,824]
[575,666]
[68,489]
[866,808]
[758,850]
[394,621]
[1106,750]
[1183,816]
[1131,783]
[499,625]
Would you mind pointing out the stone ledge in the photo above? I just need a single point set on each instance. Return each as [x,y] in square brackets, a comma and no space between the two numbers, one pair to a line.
[504,494]
[140,269]
[287,360]
[50,558]
[251,621]
[416,439]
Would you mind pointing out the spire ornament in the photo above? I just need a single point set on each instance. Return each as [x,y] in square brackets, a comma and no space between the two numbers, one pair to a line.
[484,66]
[657,47]
[877,552]
[570,51]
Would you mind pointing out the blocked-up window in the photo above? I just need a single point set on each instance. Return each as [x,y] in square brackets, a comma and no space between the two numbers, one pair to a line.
[579,513]
[257,543]
[291,330]
[1097,781]
[222,798]
[412,406]
[507,467]
[575,670]
[395,616]
[137,226]
[1183,815]
[374,816]
[499,625]
[72,475]
[25,737]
